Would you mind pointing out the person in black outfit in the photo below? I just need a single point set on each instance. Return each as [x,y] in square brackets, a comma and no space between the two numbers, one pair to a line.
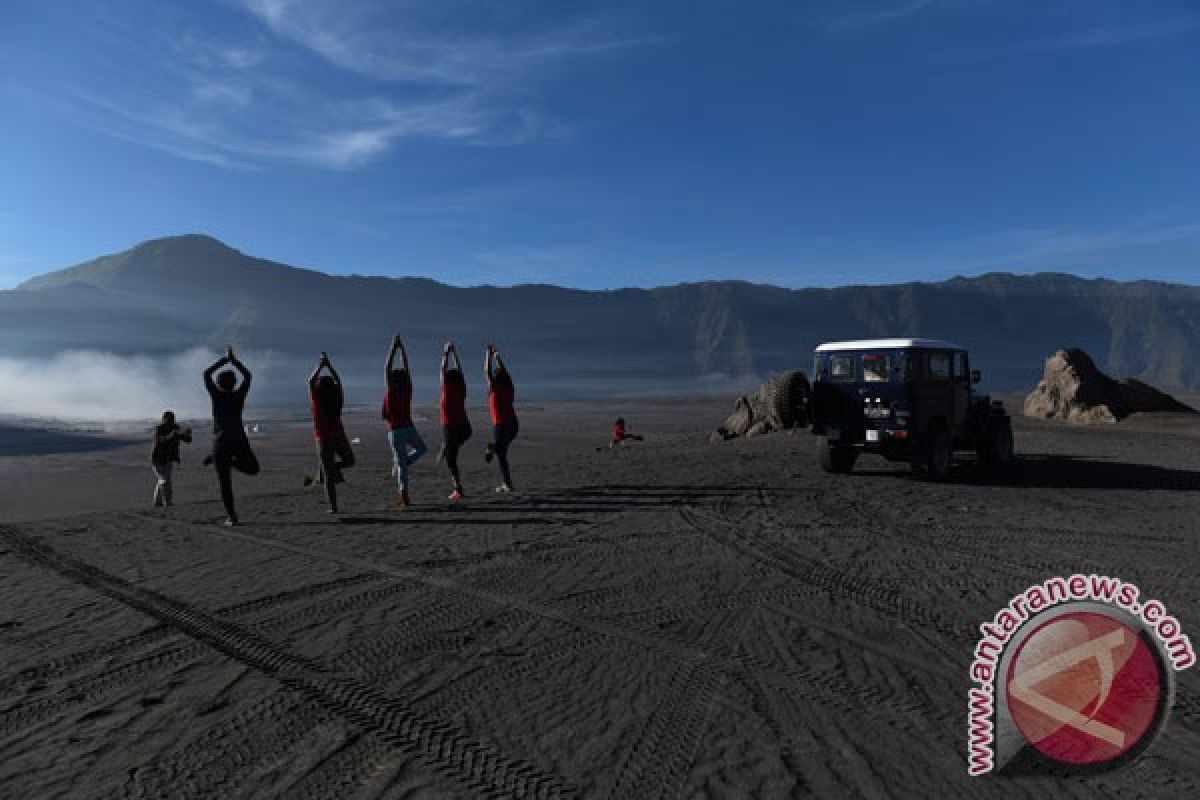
[231,449]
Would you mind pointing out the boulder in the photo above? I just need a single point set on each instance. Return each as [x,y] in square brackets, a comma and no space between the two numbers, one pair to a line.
[779,404]
[1075,390]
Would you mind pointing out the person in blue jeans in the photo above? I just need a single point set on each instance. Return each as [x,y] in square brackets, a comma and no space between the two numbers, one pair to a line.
[407,445]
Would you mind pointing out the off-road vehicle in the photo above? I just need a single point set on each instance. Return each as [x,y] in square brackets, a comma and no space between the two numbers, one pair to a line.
[907,400]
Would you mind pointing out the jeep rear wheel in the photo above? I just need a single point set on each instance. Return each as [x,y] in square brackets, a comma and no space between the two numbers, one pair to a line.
[996,448]
[934,459]
[836,458]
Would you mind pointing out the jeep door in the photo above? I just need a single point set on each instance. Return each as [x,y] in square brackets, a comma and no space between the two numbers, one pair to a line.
[961,392]
[933,389]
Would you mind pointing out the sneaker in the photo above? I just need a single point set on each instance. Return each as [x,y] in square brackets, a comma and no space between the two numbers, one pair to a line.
[503,488]
[230,522]
[455,495]
[308,481]
[208,460]
[488,453]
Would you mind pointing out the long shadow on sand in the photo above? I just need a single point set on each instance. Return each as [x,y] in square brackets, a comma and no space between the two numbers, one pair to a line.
[1052,471]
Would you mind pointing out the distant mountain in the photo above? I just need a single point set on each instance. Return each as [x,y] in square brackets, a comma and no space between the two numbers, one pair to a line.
[169,294]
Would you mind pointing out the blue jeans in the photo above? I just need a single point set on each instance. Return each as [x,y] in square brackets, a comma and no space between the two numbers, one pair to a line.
[407,447]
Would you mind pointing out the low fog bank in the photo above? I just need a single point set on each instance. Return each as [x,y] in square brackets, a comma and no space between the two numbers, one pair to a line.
[85,389]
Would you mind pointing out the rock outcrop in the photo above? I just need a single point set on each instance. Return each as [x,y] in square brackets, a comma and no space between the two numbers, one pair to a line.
[1075,390]
[780,403]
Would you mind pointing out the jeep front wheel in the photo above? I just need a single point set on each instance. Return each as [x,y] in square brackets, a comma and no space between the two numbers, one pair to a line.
[838,458]
[935,457]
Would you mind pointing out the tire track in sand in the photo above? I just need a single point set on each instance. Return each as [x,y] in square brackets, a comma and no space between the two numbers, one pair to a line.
[441,745]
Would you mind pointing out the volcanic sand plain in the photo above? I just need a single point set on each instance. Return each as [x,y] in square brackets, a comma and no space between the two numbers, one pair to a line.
[676,618]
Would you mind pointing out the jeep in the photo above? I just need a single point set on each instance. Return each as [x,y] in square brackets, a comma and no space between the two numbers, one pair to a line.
[908,400]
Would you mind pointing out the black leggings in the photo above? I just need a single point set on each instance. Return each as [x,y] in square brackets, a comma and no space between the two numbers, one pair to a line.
[333,456]
[228,456]
[502,437]
[453,438]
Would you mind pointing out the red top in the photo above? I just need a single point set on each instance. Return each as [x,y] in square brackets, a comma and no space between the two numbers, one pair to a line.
[454,404]
[618,432]
[327,423]
[397,407]
[500,402]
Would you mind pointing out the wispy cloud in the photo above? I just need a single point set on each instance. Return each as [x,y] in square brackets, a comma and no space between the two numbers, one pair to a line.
[416,41]
[1034,243]
[329,84]
[1111,35]
[873,12]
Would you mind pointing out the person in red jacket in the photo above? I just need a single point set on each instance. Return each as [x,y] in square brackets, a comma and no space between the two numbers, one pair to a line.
[456,427]
[334,454]
[620,435]
[501,395]
[407,445]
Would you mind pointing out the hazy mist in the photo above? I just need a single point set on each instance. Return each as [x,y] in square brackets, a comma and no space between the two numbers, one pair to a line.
[84,385]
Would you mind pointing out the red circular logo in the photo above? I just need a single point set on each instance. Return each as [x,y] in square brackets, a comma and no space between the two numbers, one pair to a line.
[1084,688]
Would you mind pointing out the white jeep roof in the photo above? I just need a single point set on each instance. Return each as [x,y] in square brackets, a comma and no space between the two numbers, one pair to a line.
[886,344]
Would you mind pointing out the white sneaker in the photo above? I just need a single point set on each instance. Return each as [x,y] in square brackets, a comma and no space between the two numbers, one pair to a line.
[503,488]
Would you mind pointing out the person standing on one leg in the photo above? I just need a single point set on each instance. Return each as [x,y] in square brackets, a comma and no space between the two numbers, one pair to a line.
[501,395]
[407,445]
[231,449]
[456,427]
[167,436]
[333,448]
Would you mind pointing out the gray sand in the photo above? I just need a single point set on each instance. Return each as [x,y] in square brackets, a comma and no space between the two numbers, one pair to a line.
[676,619]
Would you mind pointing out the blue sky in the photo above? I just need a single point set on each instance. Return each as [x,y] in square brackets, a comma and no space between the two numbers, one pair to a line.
[609,144]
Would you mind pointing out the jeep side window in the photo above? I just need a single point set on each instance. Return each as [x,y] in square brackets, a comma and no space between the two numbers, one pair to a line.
[875,368]
[960,367]
[914,366]
[939,366]
[841,368]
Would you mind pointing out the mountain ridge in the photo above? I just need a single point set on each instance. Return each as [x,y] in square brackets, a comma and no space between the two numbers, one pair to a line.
[189,290]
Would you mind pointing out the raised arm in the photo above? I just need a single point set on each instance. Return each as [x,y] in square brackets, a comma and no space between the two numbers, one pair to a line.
[316,373]
[487,364]
[208,373]
[332,372]
[387,372]
[446,353]
[403,356]
[241,368]
[500,363]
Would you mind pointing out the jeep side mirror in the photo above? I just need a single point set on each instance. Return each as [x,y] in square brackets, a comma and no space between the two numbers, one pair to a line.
[975,376]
